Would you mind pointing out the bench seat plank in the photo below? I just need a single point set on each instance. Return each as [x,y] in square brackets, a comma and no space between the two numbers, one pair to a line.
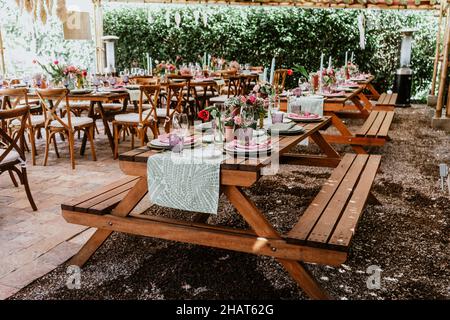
[70,205]
[309,218]
[384,130]
[97,203]
[347,224]
[330,216]
[367,124]
[376,124]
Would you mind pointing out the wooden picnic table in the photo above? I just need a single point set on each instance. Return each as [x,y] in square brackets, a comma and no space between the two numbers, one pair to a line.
[236,173]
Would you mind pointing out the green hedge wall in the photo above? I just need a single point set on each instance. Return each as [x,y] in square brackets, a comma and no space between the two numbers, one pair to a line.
[294,35]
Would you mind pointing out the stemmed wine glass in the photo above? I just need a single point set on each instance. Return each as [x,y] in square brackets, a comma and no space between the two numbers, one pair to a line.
[180,130]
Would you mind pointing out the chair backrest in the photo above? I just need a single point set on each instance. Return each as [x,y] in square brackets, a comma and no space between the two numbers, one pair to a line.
[246,82]
[176,78]
[279,79]
[235,85]
[7,142]
[51,99]
[175,90]
[257,68]
[12,97]
[146,81]
[151,94]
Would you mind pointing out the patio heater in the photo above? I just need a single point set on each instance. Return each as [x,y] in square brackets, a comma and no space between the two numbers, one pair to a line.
[403,75]
[110,52]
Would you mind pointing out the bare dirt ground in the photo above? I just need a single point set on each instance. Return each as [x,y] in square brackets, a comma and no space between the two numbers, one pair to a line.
[407,237]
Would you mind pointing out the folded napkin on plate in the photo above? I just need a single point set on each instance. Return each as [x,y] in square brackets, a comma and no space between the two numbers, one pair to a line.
[307,115]
[282,126]
[253,146]
[349,84]
[164,138]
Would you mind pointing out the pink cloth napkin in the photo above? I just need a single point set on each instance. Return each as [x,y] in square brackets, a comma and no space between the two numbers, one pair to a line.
[306,115]
[349,84]
[334,94]
[253,146]
[164,138]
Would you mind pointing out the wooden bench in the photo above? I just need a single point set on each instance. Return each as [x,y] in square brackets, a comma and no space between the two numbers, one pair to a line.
[331,220]
[386,102]
[103,200]
[376,127]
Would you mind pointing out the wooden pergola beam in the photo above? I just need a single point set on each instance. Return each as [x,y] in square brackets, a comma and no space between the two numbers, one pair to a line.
[2,55]
[338,4]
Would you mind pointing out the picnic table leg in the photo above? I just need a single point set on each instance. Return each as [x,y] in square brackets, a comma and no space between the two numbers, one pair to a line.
[90,115]
[373,91]
[366,102]
[263,228]
[357,102]
[324,145]
[343,130]
[123,209]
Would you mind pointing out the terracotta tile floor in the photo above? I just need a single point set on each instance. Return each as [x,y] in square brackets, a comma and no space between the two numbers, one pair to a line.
[34,243]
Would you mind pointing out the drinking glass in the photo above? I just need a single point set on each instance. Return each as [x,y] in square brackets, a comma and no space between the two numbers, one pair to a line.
[277,117]
[180,130]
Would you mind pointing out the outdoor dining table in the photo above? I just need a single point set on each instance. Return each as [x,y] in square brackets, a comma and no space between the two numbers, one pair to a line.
[235,173]
[98,99]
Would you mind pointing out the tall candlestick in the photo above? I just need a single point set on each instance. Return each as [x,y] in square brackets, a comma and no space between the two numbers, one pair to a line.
[320,72]
[148,63]
[204,59]
[346,58]
[265,75]
[351,59]
[209,60]
[329,63]
[272,70]
[151,67]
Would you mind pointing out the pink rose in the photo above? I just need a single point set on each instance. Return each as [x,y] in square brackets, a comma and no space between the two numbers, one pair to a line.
[238,120]
[243,99]
[56,62]
[252,99]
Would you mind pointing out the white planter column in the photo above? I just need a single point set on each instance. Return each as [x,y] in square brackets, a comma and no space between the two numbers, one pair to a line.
[98,26]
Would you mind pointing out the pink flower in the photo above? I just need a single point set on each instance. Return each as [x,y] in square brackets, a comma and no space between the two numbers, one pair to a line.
[243,99]
[256,88]
[252,99]
[238,120]
[34,61]
[56,62]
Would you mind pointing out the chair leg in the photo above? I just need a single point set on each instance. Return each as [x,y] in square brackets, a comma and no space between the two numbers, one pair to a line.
[27,188]
[55,145]
[90,133]
[71,138]
[13,179]
[132,132]
[47,145]
[33,145]
[116,140]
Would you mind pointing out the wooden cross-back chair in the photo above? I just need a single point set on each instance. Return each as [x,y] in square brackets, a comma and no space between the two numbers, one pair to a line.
[279,79]
[190,101]
[234,85]
[13,98]
[147,81]
[248,81]
[139,122]
[174,103]
[12,156]
[51,99]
